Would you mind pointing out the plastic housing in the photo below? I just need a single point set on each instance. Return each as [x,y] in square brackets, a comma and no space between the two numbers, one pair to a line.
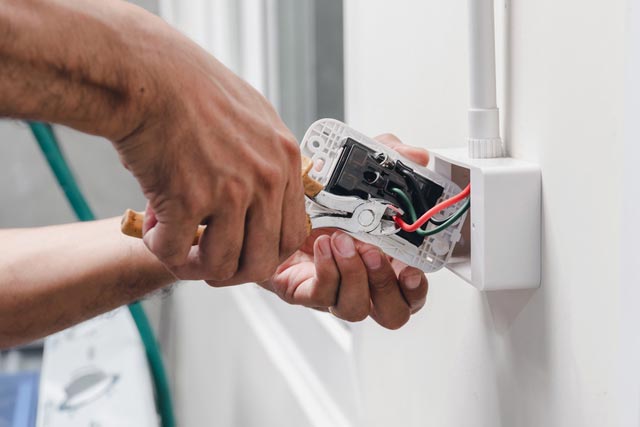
[501,247]
[323,143]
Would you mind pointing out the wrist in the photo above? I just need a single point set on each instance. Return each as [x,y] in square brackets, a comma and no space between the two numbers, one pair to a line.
[140,74]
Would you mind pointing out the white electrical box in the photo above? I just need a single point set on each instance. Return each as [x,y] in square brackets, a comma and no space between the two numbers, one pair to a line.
[500,244]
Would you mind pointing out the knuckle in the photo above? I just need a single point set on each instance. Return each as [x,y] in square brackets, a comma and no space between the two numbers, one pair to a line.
[213,283]
[417,306]
[236,192]
[291,148]
[385,283]
[270,175]
[226,265]
[397,322]
[322,296]
[289,144]
[171,206]
[192,204]
[356,314]
[264,271]
[225,270]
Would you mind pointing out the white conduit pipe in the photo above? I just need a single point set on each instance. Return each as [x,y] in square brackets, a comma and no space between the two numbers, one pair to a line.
[484,118]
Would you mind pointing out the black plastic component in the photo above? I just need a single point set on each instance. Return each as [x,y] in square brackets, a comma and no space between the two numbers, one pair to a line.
[362,172]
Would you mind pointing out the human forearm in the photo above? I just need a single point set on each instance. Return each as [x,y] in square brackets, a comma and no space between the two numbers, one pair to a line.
[205,147]
[54,277]
[77,63]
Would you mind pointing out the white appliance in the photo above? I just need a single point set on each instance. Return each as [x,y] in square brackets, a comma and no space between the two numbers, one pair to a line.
[96,374]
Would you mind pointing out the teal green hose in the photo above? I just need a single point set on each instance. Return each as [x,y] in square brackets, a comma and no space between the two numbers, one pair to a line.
[154,357]
[51,149]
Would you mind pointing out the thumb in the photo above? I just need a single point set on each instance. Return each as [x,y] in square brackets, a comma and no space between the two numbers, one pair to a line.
[170,242]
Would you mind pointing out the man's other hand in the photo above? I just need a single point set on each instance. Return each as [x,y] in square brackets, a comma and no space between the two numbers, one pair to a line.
[351,279]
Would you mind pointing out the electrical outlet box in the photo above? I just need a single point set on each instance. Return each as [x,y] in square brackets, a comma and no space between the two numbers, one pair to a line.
[500,244]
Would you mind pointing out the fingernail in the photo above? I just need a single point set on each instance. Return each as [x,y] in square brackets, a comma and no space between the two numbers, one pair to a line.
[345,246]
[324,246]
[413,281]
[372,259]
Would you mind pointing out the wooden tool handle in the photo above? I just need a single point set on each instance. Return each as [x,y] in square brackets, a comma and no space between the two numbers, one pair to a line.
[311,186]
[131,223]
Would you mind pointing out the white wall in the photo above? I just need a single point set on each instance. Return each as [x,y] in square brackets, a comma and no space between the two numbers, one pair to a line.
[552,356]
[630,291]
[525,358]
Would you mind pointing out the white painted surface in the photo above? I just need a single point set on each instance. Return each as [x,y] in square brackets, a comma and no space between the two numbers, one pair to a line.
[525,358]
[551,356]
[244,358]
[629,371]
[501,250]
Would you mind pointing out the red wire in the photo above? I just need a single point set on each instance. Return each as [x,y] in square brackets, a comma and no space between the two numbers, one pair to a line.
[433,211]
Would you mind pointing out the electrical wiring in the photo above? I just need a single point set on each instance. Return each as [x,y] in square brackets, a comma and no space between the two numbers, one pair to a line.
[441,225]
[49,145]
[415,226]
[448,222]
[406,203]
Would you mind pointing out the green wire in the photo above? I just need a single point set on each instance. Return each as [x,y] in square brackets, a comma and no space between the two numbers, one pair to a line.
[406,201]
[43,133]
[449,222]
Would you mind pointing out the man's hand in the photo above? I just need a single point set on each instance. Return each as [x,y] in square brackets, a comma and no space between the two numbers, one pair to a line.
[353,280]
[211,150]
[204,146]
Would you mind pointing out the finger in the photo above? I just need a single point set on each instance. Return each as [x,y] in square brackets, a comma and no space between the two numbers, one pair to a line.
[294,219]
[150,219]
[320,291]
[354,301]
[389,139]
[260,249]
[217,256]
[261,252]
[389,306]
[416,154]
[170,241]
[414,286]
